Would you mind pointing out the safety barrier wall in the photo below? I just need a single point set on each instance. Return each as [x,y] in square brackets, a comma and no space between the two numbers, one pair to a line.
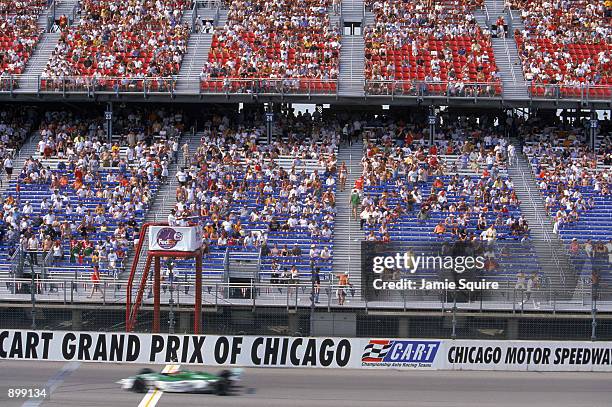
[271,351]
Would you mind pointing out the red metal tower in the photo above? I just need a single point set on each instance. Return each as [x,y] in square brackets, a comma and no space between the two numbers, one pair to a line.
[155,256]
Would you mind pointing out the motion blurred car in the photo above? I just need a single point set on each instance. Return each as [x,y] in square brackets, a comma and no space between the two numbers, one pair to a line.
[183,381]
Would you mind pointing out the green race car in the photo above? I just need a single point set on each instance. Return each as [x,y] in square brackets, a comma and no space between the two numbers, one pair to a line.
[183,381]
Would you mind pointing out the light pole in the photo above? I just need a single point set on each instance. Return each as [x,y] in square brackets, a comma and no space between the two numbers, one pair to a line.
[32,291]
[432,125]
[171,321]
[312,297]
[269,122]
[593,124]
[108,115]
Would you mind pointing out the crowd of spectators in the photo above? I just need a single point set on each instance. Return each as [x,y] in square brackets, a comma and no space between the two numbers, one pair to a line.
[418,182]
[256,197]
[569,173]
[82,212]
[132,40]
[421,41]
[480,148]
[15,125]
[565,42]
[65,134]
[575,182]
[285,39]
[19,34]
[85,207]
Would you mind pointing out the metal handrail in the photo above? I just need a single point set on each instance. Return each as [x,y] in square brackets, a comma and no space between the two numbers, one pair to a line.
[281,86]
[443,89]
[507,50]
[226,264]
[12,84]
[47,262]
[194,16]
[544,227]
[293,294]
[90,83]
[487,16]
[16,261]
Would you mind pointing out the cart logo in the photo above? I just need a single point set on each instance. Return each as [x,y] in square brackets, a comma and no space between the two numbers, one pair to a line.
[168,238]
[396,353]
[376,350]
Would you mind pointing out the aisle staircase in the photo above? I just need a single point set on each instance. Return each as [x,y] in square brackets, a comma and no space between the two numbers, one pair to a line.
[42,53]
[552,256]
[198,47]
[490,11]
[516,22]
[505,51]
[352,11]
[352,65]
[510,69]
[347,236]
[38,61]
[65,8]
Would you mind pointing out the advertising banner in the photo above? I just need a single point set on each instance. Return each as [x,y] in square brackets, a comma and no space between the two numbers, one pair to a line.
[209,350]
[174,238]
[275,351]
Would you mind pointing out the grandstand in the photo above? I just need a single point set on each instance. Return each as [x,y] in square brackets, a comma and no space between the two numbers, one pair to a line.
[467,51]
[428,123]
[272,213]
[465,204]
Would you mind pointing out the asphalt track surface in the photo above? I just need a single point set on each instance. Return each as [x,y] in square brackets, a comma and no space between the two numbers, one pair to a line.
[90,384]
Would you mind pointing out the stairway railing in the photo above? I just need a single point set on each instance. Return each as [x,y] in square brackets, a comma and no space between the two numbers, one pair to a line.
[487,16]
[560,251]
[194,16]
[509,60]
[544,227]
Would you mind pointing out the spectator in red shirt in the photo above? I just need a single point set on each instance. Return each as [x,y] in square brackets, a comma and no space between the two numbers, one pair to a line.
[95,281]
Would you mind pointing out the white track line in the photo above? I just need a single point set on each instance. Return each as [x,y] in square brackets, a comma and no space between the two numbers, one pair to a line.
[153,395]
[54,382]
